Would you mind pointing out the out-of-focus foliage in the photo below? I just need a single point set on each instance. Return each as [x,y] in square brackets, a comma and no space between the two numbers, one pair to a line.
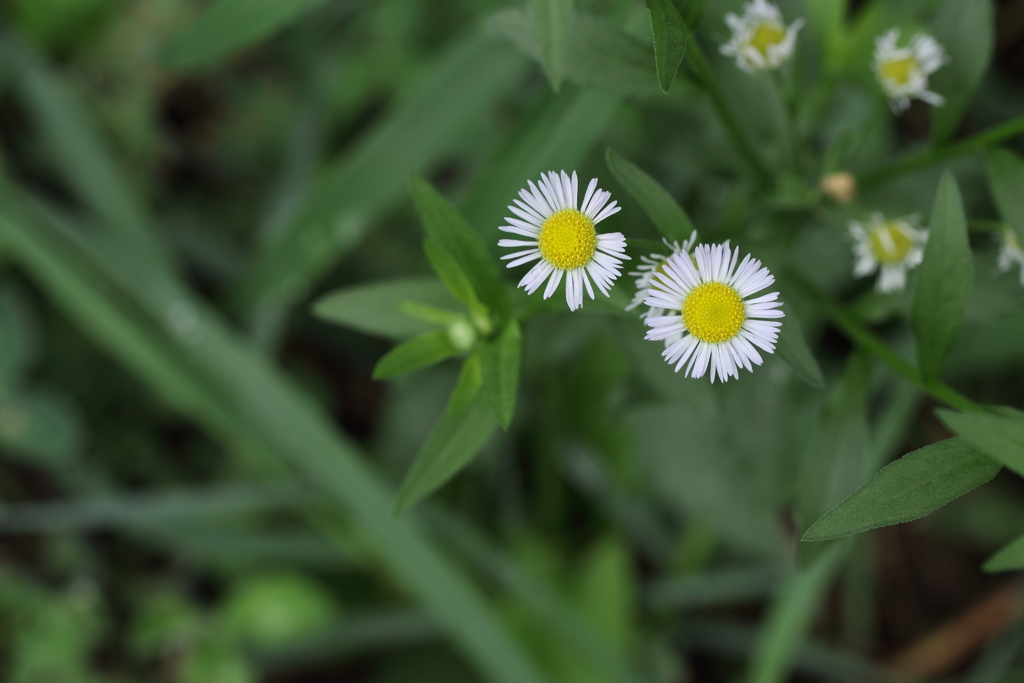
[272,408]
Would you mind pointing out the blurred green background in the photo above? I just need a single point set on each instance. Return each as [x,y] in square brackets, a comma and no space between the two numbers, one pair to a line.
[197,475]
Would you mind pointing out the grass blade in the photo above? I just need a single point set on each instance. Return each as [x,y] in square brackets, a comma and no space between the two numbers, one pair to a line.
[419,352]
[376,307]
[501,360]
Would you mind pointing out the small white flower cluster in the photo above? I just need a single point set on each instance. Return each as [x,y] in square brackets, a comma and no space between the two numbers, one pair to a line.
[761,41]
[903,71]
[699,298]
[889,247]
[1010,252]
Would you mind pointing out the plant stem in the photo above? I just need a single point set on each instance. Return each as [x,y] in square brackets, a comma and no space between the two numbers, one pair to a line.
[855,330]
[707,79]
[926,158]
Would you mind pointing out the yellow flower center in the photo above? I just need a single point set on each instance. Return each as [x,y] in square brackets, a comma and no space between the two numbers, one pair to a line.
[714,313]
[899,71]
[766,35]
[889,243]
[568,239]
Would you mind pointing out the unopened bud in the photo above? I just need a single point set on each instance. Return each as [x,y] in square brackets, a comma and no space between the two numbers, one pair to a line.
[841,187]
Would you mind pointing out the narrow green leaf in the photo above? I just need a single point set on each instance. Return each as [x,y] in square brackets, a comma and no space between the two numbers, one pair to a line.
[793,349]
[228,26]
[1008,558]
[467,387]
[668,217]
[429,122]
[452,274]
[451,232]
[552,20]
[430,314]
[1001,438]
[966,28]
[375,308]
[944,280]
[419,352]
[555,135]
[791,615]
[1005,180]
[18,346]
[82,157]
[918,483]
[501,360]
[601,55]
[669,40]
[450,447]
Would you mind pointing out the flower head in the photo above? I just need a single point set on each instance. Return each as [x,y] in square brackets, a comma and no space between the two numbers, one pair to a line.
[564,238]
[717,324]
[1010,252]
[891,247]
[903,71]
[644,274]
[759,38]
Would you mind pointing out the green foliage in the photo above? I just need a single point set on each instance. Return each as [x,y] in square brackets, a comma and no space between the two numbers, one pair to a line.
[793,349]
[553,23]
[377,308]
[450,447]
[669,40]
[913,486]
[944,280]
[668,217]
[1000,438]
[599,56]
[500,365]
[229,26]
[419,352]
[1005,176]
[966,29]
[269,609]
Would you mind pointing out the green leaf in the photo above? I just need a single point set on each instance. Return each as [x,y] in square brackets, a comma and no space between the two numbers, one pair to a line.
[1005,178]
[452,233]
[552,21]
[228,26]
[1001,438]
[668,217]
[966,29]
[600,55]
[835,460]
[501,360]
[430,348]
[452,275]
[555,135]
[40,428]
[918,483]
[1008,558]
[793,350]
[944,280]
[18,338]
[467,387]
[791,616]
[669,40]
[375,308]
[429,122]
[450,447]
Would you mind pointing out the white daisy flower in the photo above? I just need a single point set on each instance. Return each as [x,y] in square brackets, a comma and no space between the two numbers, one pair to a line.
[759,38]
[1010,252]
[903,71]
[720,325]
[890,246]
[644,274]
[564,239]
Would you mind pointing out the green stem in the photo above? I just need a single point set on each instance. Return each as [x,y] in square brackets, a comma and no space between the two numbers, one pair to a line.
[855,330]
[707,79]
[926,158]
